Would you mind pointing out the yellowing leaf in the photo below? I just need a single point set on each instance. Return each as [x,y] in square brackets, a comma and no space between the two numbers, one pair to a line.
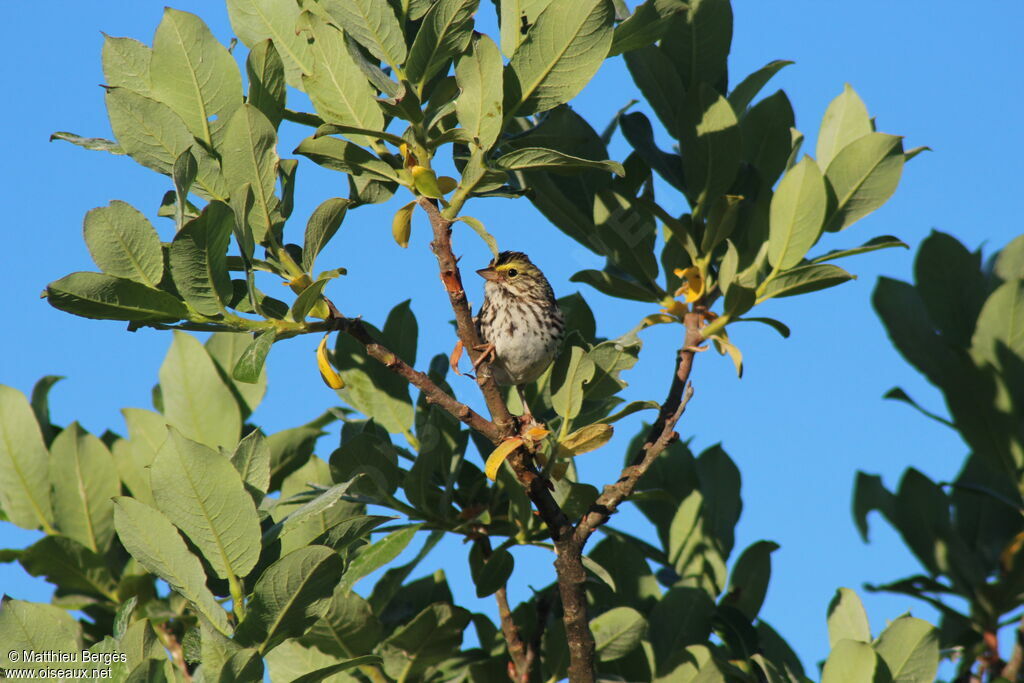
[499,454]
[724,346]
[693,283]
[536,433]
[401,224]
[327,372]
[586,439]
[425,181]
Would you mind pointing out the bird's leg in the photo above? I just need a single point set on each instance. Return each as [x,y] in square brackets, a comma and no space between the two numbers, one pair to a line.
[526,420]
[487,354]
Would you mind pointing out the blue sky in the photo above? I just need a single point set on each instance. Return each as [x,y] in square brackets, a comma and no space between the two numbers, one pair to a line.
[808,412]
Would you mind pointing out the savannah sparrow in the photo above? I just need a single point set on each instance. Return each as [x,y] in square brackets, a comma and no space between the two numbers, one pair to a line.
[519,321]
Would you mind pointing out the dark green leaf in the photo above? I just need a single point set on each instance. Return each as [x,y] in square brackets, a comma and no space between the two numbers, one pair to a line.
[249,366]
[952,287]
[617,632]
[805,279]
[526,158]
[748,582]
[709,136]
[198,260]
[873,244]
[612,285]
[267,91]
[490,573]
[744,93]
[444,33]
[375,556]
[97,144]
[646,25]
[428,639]
[101,296]
[374,25]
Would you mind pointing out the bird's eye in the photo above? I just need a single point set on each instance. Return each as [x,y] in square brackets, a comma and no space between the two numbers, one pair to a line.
[512,272]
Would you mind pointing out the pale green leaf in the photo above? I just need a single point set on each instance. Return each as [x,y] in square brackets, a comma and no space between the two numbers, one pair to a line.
[375,556]
[248,155]
[36,628]
[194,75]
[444,33]
[267,86]
[478,73]
[910,648]
[126,64]
[257,20]
[873,244]
[617,632]
[804,279]
[124,244]
[845,120]
[290,596]
[373,24]
[228,349]
[1000,323]
[796,215]
[853,662]
[24,464]
[201,492]
[338,89]
[85,481]
[154,542]
[847,618]
[560,54]
[196,401]
[863,176]
[571,371]
[322,225]
[515,19]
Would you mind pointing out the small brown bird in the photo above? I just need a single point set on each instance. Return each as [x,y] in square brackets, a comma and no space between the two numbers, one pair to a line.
[519,322]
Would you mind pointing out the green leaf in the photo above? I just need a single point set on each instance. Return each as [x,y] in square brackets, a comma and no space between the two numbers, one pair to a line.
[227,350]
[847,618]
[805,279]
[617,632]
[571,371]
[638,132]
[748,583]
[560,54]
[540,158]
[444,33]
[1010,260]
[709,137]
[776,325]
[478,73]
[289,597]
[95,144]
[656,77]
[515,19]
[491,573]
[310,297]
[680,618]
[700,43]
[767,141]
[124,244]
[349,627]
[105,297]
[37,628]
[249,367]
[194,75]
[267,87]
[84,482]
[1000,323]
[344,156]
[308,510]
[873,244]
[154,542]
[373,24]
[863,175]
[854,662]
[428,639]
[845,120]
[375,556]
[910,648]
[198,260]
[646,25]
[126,64]
[631,407]
[254,21]
[24,464]
[744,93]
[322,225]
[40,401]
[202,494]
[952,286]
[248,155]
[183,174]
[195,399]
[796,215]
[252,460]
[70,566]
[612,285]
[333,669]
[339,91]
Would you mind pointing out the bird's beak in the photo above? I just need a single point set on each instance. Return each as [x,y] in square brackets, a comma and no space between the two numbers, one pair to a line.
[488,273]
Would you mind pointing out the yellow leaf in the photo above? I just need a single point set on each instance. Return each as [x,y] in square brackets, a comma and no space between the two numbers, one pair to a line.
[425,181]
[693,283]
[499,454]
[536,433]
[401,224]
[724,346]
[327,372]
[300,283]
[446,183]
[586,439]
